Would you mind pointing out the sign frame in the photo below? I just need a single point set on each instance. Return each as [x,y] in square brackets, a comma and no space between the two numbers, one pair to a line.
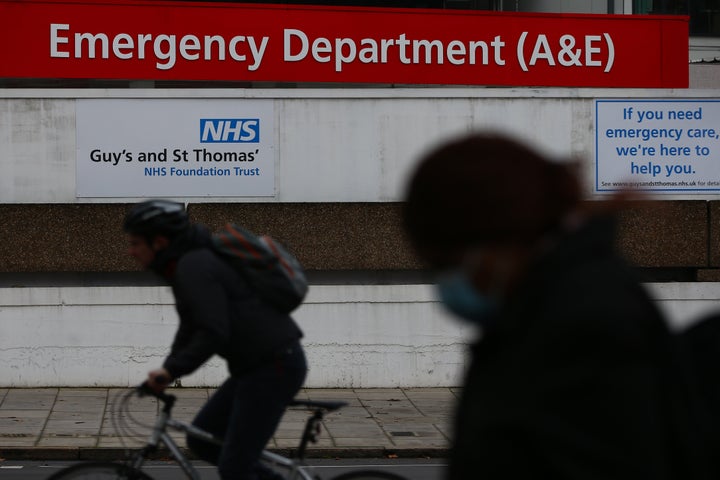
[175,148]
[658,134]
[193,41]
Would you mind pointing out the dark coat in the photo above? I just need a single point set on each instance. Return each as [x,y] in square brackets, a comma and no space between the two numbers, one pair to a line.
[220,314]
[570,381]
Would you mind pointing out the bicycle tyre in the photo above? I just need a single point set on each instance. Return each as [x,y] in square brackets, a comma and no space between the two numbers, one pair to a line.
[99,471]
[369,475]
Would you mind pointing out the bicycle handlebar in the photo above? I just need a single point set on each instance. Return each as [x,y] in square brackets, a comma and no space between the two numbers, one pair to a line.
[143,390]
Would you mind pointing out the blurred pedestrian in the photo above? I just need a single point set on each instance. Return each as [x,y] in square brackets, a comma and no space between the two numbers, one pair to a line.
[568,378]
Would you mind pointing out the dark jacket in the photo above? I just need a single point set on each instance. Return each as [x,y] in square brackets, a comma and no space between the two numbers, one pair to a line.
[570,380]
[220,314]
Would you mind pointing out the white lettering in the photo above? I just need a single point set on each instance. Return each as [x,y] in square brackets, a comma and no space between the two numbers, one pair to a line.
[456,49]
[343,51]
[91,40]
[166,49]
[220,41]
[590,50]
[55,40]
[188,44]
[289,33]
[497,45]
[341,58]
[319,46]
[542,51]
[257,53]
[369,52]
[142,40]
[402,43]
[121,42]
[428,47]
[473,52]
[168,54]
[384,45]
[236,129]
[233,48]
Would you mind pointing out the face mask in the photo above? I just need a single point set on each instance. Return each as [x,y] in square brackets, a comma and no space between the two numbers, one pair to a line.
[462,298]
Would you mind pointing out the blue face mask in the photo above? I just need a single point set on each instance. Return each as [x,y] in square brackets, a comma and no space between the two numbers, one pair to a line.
[462,298]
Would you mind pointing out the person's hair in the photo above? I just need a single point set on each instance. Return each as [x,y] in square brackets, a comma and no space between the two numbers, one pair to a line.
[486,189]
[156,217]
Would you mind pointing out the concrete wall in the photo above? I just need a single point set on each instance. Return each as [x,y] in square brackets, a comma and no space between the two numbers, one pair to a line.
[343,156]
[333,145]
[355,336]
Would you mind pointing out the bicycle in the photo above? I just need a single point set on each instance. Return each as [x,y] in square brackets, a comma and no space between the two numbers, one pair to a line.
[293,467]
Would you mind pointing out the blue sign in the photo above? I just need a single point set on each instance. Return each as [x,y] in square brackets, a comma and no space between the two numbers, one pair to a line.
[657,145]
[229,130]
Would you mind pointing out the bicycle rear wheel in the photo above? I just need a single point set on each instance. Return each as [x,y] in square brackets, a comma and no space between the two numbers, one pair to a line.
[369,475]
[99,471]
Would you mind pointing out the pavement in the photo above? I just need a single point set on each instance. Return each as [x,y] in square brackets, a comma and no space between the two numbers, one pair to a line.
[86,423]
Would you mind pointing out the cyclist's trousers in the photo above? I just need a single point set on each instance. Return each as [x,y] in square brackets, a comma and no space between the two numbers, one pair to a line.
[245,411]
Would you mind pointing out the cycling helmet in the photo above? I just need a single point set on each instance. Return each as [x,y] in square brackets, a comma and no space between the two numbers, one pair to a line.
[156,217]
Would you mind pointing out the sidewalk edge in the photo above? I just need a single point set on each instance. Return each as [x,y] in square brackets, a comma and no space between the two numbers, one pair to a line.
[116,454]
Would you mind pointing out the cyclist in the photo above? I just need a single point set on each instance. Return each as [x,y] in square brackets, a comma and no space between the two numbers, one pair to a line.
[219,315]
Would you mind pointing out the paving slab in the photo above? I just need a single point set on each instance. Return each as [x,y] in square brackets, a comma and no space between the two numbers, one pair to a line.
[82,423]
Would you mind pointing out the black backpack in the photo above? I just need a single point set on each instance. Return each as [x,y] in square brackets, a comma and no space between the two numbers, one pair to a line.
[275,274]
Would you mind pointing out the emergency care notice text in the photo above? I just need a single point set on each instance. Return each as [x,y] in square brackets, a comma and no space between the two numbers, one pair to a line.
[658,145]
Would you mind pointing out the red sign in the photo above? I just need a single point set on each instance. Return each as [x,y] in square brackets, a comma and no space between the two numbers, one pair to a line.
[228,41]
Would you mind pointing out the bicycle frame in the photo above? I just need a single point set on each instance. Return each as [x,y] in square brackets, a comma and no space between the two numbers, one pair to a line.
[294,468]
[159,436]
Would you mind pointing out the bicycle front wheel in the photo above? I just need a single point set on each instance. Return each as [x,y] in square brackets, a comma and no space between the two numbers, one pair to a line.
[369,475]
[99,471]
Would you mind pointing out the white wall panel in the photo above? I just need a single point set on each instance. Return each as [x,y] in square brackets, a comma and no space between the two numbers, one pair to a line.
[37,150]
[355,336]
[339,145]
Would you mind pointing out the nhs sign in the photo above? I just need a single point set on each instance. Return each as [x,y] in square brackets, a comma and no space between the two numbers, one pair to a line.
[229,130]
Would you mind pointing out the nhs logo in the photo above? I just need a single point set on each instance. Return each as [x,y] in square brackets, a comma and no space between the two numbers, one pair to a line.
[229,130]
